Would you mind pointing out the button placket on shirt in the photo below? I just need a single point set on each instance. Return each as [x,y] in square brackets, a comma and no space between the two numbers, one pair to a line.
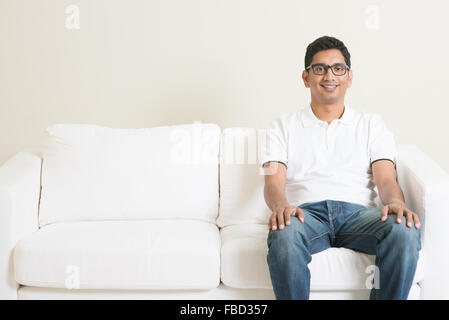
[326,135]
[330,134]
[325,127]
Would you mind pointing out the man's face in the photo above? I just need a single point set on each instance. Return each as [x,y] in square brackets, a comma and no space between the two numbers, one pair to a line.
[327,88]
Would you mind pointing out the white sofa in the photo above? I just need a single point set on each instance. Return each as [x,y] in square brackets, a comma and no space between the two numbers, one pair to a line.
[176,212]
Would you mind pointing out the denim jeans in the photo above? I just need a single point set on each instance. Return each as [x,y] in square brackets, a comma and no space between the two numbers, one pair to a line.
[332,223]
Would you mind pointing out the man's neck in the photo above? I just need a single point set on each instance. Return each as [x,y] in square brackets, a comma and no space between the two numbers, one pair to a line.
[328,112]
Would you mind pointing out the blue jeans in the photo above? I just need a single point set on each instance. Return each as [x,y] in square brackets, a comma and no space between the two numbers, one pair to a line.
[332,223]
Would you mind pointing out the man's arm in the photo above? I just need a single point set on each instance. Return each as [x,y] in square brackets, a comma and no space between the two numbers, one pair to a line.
[274,193]
[390,193]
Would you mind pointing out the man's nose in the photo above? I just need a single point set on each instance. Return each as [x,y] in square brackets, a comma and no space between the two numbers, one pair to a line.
[328,75]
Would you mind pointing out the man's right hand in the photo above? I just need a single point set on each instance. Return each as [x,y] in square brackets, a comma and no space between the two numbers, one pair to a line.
[281,216]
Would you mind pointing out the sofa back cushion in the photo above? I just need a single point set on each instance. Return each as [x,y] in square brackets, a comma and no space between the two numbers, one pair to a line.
[97,173]
[243,151]
[241,180]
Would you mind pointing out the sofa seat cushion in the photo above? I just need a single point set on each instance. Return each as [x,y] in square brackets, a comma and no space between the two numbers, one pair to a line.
[244,265]
[133,254]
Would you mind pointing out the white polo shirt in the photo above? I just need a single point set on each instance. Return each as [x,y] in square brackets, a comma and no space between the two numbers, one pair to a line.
[329,161]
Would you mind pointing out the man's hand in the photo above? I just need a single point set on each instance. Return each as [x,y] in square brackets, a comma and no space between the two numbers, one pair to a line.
[398,207]
[282,215]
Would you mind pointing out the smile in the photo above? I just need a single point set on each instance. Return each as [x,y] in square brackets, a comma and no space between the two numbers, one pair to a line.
[329,88]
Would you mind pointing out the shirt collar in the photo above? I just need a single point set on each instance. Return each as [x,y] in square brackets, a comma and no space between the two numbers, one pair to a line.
[309,119]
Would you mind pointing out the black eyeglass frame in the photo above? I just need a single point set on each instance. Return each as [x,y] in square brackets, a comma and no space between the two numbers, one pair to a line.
[328,67]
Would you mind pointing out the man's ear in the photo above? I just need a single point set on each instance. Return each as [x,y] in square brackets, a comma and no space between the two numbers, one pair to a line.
[350,75]
[305,78]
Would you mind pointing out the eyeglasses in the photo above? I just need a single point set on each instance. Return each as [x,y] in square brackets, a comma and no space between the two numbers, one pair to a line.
[320,69]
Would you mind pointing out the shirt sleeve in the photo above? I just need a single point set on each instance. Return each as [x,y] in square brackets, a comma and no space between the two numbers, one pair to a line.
[382,144]
[274,146]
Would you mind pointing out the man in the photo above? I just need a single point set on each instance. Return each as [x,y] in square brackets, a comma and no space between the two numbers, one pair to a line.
[322,166]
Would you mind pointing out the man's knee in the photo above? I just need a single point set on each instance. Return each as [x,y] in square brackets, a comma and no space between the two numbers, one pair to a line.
[405,237]
[289,236]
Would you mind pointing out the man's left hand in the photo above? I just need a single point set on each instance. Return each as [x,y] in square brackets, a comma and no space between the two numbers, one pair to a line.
[398,207]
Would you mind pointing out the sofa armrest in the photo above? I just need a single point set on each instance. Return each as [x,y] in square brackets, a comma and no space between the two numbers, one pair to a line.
[20,184]
[426,191]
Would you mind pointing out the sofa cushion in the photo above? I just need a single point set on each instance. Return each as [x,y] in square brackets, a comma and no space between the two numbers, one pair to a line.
[154,254]
[244,265]
[97,173]
[241,182]
[241,178]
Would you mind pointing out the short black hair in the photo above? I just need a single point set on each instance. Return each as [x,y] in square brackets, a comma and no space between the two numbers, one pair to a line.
[326,43]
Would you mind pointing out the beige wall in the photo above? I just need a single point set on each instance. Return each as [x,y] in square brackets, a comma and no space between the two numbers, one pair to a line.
[232,62]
